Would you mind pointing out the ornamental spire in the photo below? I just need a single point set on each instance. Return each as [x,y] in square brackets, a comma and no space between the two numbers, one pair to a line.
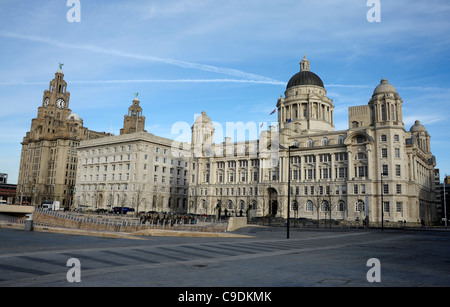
[304,64]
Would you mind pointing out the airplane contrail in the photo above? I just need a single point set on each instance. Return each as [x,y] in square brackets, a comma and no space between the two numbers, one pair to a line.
[114,52]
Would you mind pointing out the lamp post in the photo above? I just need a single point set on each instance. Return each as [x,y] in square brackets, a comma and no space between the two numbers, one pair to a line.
[289,187]
[382,202]
[445,204]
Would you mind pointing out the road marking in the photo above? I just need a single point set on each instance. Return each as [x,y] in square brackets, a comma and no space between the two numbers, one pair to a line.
[60,277]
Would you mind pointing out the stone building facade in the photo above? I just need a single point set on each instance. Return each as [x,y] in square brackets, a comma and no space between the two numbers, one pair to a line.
[48,163]
[135,169]
[376,168]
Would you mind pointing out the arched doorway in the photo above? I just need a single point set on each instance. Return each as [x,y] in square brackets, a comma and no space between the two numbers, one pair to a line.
[273,201]
[100,201]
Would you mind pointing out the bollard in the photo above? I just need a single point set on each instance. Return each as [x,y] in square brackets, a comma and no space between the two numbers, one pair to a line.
[29,222]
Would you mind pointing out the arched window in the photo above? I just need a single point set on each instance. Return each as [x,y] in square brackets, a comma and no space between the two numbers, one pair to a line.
[310,143]
[295,206]
[241,205]
[341,206]
[309,206]
[254,205]
[325,141]
[325,206]
[341,140]
[230,205]
[360,139]
[360,206]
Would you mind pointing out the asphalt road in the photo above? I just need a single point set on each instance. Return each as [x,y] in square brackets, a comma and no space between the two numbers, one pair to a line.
[310,258]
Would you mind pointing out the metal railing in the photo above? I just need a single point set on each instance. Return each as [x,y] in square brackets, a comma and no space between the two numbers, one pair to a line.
[8,219]
[128,224]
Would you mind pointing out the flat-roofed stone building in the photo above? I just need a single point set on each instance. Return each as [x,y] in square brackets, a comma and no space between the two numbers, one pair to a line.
[136,169]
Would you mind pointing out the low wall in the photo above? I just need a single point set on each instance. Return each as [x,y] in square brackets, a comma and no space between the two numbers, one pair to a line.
[19,211]
[53,221]
[236,223]
[43,219]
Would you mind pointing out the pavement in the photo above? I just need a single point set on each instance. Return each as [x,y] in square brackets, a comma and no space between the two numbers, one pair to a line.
[248,257]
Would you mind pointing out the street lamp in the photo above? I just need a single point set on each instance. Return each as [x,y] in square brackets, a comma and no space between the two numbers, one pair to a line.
[289,187]
[382,202]
[445,203]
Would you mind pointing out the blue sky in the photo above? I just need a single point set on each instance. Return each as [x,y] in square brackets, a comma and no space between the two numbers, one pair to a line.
[230,58]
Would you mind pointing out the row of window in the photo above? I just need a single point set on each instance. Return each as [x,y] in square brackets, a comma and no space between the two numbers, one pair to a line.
[358,189]
[341,206]
[124,187]
[229,191]
[384,152]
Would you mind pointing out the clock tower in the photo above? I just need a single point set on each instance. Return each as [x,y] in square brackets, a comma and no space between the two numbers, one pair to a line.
[49,159]
[56,98]
[134,121]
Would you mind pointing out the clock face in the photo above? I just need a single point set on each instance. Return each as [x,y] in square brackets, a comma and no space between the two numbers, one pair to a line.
[60,103]
[46,102]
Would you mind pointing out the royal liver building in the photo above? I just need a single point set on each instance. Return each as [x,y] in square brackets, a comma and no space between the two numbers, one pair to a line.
[376,168]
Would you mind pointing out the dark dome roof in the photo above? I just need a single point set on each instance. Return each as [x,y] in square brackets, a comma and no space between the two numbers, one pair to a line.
[305,78]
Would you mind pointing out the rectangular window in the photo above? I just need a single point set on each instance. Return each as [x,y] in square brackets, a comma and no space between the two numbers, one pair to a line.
[362,171]
[386,207]
[399,206]
[385,189]
[399,189]
[384,152]
[397,152]
[397,170]
[355,189]
[385,170]
[231,177]
[325,173]
[343,172]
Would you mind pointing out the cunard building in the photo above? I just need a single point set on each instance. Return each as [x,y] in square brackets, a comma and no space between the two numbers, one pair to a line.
[376,169]
[48,163]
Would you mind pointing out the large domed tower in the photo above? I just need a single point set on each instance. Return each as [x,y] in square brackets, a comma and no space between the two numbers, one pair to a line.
[202,136]
[386,106]
[305,107]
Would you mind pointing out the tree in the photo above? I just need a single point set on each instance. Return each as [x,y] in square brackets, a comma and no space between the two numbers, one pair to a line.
[332,204]
[122,203]
[139,198]
[318,204]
